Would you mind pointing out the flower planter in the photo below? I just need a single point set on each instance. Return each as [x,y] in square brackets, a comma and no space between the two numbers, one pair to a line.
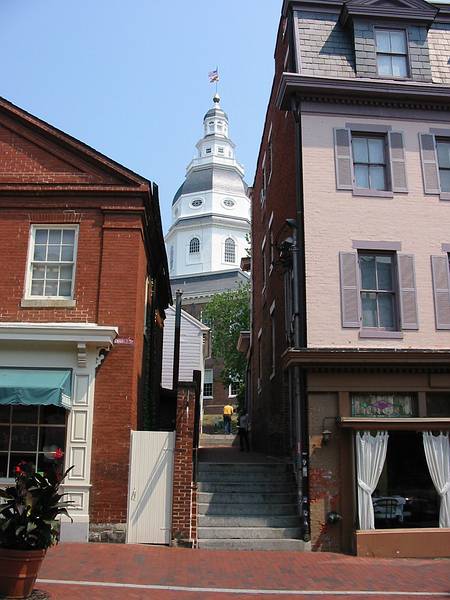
[18,571]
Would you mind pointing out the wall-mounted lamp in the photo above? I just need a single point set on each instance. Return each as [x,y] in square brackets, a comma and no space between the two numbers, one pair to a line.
[326,432]
[333,517]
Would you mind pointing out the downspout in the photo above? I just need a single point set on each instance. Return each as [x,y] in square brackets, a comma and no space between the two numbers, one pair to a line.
[300,325]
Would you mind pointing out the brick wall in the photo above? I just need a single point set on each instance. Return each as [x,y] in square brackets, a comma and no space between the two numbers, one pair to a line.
[270,407]
[184,497]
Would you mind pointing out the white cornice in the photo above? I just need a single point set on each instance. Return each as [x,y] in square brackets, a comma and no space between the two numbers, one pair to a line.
[88,333]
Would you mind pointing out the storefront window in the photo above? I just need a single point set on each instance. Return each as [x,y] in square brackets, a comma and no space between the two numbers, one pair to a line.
[405,495]
[388,405]
[32,434]
[438,404]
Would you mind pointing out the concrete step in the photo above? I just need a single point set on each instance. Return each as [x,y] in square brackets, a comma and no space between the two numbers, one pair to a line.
[247,533]
[245,497]
[247,477]
[249,521]
[246,509]
[254,544]
[224,468]
[254,487]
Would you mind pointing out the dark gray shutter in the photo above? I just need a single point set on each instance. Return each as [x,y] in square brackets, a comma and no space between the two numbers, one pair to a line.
[429,164]
[441,289]
[348,263]
[397,159]
[407,287]
[343,159]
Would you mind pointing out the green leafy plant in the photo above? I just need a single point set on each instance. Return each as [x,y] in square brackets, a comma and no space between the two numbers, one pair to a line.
[29,509]
[228,313]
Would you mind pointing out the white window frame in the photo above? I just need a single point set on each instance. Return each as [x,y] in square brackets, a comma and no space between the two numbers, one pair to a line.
[264,265]
[30,261]
[225,261]
[230,392]
[208,383]
[273,338]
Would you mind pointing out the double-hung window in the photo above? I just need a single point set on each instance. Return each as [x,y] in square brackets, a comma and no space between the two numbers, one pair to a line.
[378,290]
[369,162]
[52,262]
[443,157]
[208,384]
[392,52]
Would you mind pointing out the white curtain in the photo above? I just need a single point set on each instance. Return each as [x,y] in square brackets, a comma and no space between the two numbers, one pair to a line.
[437,452]
[370,457]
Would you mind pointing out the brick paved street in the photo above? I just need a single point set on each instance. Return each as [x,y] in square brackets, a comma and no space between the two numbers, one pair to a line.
[169,573]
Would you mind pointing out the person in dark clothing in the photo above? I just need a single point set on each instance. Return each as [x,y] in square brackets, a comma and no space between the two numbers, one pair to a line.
[243,427]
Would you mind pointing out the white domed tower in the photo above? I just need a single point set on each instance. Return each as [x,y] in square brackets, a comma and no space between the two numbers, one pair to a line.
[211,210]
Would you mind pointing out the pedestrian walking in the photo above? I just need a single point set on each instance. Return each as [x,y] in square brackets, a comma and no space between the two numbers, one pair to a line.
[243,428]
[228,410]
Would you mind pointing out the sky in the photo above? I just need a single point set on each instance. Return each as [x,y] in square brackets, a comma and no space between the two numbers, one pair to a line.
[130,78]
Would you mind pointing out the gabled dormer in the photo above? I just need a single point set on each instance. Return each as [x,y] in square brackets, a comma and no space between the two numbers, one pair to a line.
[390,37]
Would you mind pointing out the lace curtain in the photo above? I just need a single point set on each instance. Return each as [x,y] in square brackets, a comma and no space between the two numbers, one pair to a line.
[370,457]
[437,453]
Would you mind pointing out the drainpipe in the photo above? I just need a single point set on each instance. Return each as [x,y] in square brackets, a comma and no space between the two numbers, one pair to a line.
[300,329]
[176,343]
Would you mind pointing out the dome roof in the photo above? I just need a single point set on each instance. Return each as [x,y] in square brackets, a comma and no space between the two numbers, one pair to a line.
[216,112]
[212,177]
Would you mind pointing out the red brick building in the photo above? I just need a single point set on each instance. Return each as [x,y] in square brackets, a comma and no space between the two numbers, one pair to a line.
[350,270]
[83,290]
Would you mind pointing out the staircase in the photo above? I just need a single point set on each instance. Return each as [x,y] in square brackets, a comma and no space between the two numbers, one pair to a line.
[247,506]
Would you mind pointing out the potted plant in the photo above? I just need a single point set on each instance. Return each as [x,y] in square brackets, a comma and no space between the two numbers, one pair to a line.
[28,524]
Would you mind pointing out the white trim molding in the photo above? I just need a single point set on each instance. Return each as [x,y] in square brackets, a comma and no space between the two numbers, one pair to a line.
[100,335]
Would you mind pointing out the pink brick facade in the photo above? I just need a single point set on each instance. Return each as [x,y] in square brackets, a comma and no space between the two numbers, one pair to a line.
[302,386]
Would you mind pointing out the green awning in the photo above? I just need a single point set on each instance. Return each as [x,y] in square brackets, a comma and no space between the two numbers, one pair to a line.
[35,386]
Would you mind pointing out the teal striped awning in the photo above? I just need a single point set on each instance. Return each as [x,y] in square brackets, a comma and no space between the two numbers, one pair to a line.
[35,387]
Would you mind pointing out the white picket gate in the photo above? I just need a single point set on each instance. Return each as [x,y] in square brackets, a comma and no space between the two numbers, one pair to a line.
[150,487]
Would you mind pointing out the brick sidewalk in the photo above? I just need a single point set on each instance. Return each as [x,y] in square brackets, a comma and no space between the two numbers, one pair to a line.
[260,572]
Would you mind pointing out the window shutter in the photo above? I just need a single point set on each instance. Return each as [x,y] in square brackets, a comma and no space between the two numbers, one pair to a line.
[343,159]
[348,262]
[397,159]
[429,164]
[441,289]
[408,296]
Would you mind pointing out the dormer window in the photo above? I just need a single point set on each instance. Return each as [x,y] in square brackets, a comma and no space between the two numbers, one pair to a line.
[392,52]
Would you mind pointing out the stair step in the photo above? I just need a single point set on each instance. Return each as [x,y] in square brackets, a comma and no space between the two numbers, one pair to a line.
[244,468]
[253,487]
[246,509]
[254,544]
[248,533]
[248,521]
[245,497]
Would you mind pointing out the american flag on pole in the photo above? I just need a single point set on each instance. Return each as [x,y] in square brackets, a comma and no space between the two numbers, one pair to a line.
[213,76]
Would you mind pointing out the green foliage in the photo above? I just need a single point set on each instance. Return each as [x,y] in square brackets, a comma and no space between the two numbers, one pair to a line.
[29,509]
[228,314]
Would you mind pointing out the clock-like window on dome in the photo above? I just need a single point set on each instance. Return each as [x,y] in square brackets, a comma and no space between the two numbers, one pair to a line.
[196,202]
[228,202]
[230,251]
[194,246]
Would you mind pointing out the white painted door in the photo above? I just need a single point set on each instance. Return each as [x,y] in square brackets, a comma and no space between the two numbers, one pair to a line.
[150,487]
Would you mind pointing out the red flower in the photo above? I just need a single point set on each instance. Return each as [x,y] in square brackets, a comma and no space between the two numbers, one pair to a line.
[18,470]
[58,454]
